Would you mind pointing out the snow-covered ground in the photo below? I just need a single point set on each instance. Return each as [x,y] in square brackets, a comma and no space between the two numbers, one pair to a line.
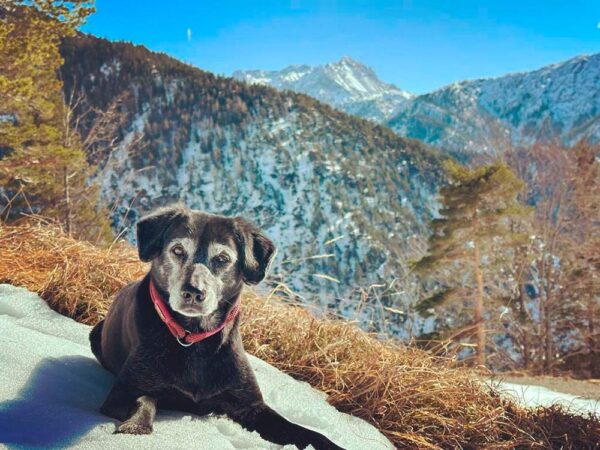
[532,395]
[51,388]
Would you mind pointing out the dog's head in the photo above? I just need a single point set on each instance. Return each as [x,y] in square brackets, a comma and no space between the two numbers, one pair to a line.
[201,259]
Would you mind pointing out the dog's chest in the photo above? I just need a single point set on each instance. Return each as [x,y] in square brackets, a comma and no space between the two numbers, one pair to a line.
[200,378]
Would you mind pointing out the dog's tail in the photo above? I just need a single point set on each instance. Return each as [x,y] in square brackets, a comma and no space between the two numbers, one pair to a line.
[96,341]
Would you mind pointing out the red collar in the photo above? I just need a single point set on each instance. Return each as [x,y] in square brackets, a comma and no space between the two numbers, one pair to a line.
[184,337]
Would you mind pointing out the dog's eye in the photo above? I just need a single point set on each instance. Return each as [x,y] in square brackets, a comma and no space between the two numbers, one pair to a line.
[178,250]
[221,260]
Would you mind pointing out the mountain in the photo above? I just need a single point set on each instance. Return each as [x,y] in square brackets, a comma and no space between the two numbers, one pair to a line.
[347,85]
[346,200]
[465,119]
[486,116]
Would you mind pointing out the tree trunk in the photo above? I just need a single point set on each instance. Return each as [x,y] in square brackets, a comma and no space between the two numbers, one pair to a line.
[548,347]
[594,362]
[478,313]
[524,327]
[546,318]
[68,217]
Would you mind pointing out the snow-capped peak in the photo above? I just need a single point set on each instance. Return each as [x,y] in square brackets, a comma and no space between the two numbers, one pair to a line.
[346,84]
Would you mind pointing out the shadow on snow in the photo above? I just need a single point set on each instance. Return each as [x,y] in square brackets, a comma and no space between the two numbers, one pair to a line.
[58,405]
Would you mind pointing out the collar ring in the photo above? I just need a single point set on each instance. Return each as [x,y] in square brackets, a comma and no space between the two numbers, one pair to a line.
[182,341]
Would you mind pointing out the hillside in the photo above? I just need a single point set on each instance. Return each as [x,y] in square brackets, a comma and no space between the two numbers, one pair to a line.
[346,200]
[346,84]
[487,115]
[413,398]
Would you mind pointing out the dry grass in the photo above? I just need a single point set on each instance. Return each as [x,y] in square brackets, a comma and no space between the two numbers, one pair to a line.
[77,279]
[416,400]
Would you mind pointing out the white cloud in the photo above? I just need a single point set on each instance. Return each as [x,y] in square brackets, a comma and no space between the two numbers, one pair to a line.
[189,34]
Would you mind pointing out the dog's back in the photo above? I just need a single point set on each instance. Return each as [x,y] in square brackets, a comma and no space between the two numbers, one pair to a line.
[96,341]
[109,338]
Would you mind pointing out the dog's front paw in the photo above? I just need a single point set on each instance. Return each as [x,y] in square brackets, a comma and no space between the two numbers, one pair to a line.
[131,427]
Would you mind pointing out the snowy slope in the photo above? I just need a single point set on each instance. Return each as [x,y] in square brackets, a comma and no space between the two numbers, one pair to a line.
[52,388]
[346,84]
[485,116]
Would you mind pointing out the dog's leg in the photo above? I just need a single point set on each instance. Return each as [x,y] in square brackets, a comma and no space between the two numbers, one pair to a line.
[120,401]
[246,405]
[142,418]
[275,428]
[129,406]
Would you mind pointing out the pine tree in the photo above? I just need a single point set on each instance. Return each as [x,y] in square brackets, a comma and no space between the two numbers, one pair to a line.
[473,238]
[42,163]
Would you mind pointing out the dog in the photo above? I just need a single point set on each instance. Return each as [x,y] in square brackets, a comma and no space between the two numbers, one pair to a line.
[172,339]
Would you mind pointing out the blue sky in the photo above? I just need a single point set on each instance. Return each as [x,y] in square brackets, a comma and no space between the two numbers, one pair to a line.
[417,45]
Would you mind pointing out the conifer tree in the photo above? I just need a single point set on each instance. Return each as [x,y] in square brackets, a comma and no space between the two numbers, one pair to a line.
[41,162]
[472,238]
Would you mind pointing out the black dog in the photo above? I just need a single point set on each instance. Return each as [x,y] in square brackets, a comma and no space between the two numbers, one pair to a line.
[172,338]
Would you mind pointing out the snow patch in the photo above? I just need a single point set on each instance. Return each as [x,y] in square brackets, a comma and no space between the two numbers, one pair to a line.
[534,396]
[52,388]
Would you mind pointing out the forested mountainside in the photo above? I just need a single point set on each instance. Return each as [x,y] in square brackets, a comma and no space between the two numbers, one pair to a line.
[487,116]
[346,201]
[346,84]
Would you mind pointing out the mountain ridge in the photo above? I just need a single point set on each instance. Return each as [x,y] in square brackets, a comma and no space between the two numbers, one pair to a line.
[345,84]
[485,116]
[489,115]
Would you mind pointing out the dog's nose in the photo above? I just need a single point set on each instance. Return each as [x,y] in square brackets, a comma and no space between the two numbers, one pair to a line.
[192,294]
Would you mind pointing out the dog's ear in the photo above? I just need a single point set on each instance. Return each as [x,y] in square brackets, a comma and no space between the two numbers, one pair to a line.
[257,251]
[151,231]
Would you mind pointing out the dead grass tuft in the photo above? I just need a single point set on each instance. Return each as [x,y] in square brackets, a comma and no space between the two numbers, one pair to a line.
[77,279]
[415,399]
